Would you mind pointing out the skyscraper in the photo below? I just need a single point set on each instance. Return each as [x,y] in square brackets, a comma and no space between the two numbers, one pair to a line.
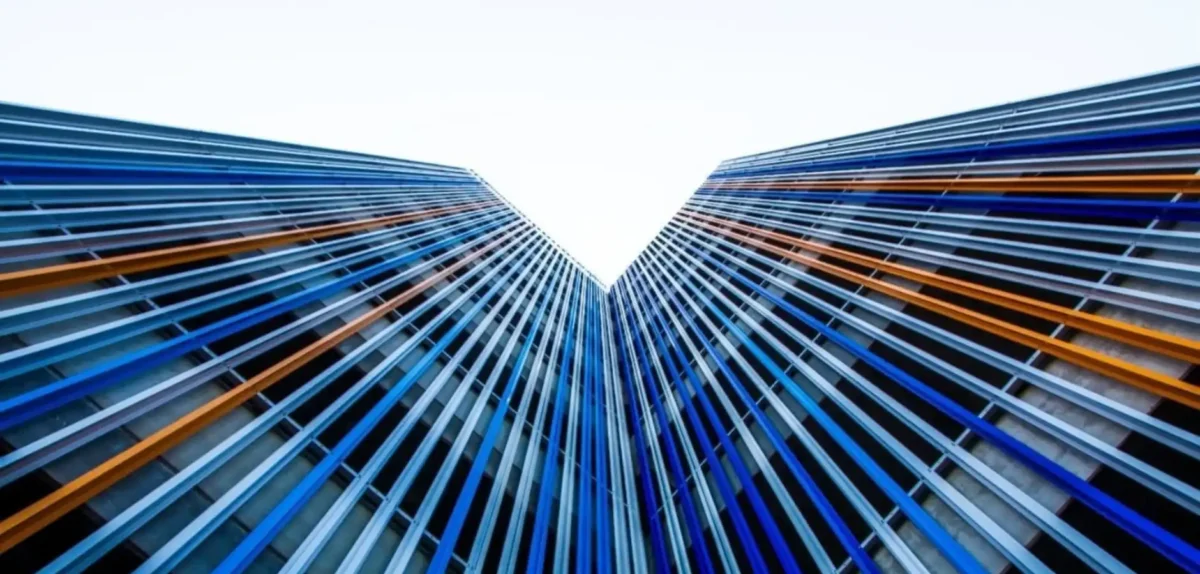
[963,344]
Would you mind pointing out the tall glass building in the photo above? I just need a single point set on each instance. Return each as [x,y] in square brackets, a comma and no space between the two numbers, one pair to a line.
[963,344]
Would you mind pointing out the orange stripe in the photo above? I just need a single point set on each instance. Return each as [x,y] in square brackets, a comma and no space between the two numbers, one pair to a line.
[1117,369]
[1149,339]
[30,280]
[1132,184]
[38,515]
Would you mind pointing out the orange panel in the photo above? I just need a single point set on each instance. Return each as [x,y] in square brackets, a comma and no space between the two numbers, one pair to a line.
[31,280]
[38,515]
[1149,339]
[1117,369]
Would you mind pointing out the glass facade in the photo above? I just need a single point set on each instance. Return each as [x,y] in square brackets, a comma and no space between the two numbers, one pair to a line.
[962,344]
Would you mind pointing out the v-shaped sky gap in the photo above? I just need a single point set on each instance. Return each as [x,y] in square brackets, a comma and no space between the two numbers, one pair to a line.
[228,354]
[598,121]
[933,343]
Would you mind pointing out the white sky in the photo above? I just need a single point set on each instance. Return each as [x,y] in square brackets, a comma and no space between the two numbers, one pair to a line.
[597,121]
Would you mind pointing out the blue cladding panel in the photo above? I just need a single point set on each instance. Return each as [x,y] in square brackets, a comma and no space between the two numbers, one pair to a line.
[963,344]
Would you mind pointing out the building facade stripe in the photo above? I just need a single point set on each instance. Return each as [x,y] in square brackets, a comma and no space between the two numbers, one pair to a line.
[967,343]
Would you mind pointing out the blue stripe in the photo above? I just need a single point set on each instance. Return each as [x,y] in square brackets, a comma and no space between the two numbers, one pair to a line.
[783,553]
[695,531]
[1111,208]
[445,549]
[243,555]
[949,548]
[44,399]
[583,519]
[661,561]
[125,330]
[604,501]
[1154,536]
[27,171]
[825,508]
[546,490]
[747,541]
